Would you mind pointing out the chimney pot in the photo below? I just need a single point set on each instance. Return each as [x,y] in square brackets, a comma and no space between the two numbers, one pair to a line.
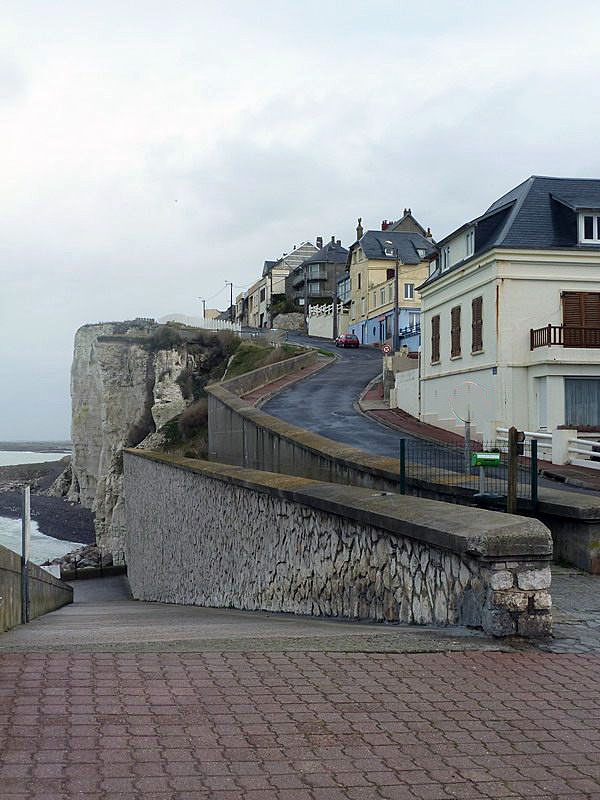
[319,242]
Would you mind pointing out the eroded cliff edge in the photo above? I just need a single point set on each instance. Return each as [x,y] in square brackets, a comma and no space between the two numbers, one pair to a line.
[128,380]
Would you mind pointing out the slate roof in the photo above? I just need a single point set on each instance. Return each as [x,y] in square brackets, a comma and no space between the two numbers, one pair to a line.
[540,214]
[373,244]
[331,253]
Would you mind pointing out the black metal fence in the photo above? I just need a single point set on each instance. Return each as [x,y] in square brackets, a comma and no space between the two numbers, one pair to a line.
[464,467]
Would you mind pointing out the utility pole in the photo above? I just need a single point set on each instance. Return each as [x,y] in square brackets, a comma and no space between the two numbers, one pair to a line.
[396,329]
[271,299]
[335,302]
[231,312]
[305,298]
[203,301]
[25,541]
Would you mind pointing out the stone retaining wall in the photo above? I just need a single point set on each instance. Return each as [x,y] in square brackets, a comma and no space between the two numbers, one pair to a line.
[272,372]
[46,593]
[208,534]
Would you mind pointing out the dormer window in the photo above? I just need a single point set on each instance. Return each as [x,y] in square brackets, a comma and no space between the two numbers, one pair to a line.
[470,242]
[420,252]
[589,227]
[445,258]
[389,251]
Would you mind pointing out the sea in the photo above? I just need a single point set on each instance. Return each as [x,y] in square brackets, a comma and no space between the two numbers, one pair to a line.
[42,547]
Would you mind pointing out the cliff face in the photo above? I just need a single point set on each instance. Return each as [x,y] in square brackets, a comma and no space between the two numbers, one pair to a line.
[124,385]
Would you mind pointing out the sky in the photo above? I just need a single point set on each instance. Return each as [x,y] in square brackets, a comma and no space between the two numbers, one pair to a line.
[152,151]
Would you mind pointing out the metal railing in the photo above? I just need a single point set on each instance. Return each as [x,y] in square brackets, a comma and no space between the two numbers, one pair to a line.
[423,462]
[564,336]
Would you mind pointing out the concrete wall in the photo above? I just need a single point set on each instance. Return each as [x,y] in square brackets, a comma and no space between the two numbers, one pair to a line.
[243,435]
[216,535]
[321,325]
[406,392]
[272,372]
[46,593]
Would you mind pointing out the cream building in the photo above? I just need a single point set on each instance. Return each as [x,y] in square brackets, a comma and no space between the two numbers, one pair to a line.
[511,314]
[371,267]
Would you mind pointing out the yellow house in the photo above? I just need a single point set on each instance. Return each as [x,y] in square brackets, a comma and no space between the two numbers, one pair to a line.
[371,265]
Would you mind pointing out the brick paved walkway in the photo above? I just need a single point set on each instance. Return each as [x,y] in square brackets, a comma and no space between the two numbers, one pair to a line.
[299,726]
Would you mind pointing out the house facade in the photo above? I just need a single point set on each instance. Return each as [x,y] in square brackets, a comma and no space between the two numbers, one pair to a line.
[510,314]
[371,267]
[253,306]
[313,281]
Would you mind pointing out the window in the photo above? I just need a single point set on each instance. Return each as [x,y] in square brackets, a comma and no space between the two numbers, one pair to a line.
[409,291]
[359,281]
[353,310]
[390,293]
[373,299]
[470,243]
[262,295]
[581,319]
[389,251]
[432,266]
[382,296]
[413,320]
[455,332]
[363,303]
[477,325]
[445,258]
[420,253]
[589,227]
[435,338]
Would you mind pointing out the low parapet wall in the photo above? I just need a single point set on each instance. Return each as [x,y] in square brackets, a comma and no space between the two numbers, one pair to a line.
[272,372]
[46,593]
[243,435]
[214,535]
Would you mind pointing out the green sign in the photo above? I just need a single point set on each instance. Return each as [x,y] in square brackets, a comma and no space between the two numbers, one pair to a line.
[485,459]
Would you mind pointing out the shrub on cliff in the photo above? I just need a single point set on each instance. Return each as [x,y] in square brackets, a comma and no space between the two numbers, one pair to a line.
[164,338]
[194,419]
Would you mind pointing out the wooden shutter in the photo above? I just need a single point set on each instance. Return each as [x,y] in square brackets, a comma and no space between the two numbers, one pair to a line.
[581,319]
[455,331]
[435,338]
[477,324]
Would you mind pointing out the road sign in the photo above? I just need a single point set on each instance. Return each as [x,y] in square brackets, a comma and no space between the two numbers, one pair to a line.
[485,459]
[386,349]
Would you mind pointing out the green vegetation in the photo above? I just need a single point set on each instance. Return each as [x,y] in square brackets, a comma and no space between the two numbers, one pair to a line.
[251,356]
[281,305]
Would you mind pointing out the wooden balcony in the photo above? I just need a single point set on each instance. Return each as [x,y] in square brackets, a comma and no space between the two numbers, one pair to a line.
[564,336]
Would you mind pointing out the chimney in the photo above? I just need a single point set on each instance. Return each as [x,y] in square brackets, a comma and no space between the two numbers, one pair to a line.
[384,225]
[333,241]
[359,229]
[429,234]
[338,242]
[319,242]
[405,211]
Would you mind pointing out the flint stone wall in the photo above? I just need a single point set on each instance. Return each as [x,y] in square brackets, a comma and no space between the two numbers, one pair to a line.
[213,535]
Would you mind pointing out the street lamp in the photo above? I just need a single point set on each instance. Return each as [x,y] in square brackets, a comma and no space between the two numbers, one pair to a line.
[396,332]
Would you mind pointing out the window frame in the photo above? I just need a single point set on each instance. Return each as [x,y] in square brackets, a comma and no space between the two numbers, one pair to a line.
[435,339]
[594,215]
[477,325]
[411,292]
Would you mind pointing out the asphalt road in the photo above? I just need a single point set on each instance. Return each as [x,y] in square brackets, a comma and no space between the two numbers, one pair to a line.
[324,402]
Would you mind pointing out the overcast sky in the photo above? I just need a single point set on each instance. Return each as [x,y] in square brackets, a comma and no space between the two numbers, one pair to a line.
[153,150]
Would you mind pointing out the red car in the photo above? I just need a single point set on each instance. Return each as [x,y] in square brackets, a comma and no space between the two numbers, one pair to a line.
[347,340]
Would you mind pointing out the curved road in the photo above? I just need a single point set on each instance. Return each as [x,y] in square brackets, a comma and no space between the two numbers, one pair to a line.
[324,402]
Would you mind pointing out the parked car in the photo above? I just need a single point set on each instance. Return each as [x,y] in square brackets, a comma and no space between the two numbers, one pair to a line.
[347,340]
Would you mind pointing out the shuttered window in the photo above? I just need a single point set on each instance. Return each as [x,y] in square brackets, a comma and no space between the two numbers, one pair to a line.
[435,338]
[581,316]
[455,331]
[477,324]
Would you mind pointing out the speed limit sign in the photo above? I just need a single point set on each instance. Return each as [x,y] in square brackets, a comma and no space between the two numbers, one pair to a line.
[386,349]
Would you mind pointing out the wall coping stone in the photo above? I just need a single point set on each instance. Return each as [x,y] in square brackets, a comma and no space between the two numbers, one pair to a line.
[482,534]
[248,381]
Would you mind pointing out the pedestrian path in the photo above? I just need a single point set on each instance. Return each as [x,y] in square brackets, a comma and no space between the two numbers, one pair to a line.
[112,699]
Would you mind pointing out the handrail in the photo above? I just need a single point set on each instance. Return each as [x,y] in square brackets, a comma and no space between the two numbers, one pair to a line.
[564,335]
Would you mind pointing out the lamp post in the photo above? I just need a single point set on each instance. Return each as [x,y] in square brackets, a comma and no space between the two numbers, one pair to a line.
[396,337]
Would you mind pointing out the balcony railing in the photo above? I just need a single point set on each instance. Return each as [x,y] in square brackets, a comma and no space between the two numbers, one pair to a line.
[564,336]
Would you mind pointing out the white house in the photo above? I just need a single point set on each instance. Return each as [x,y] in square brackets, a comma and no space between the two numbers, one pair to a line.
[511,314]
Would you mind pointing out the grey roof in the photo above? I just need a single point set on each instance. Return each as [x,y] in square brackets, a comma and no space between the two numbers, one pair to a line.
[374,245]
[331,253]
[539,214]
[267,267]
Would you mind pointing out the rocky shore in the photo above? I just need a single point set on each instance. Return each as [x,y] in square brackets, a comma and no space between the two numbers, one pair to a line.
[55,516]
